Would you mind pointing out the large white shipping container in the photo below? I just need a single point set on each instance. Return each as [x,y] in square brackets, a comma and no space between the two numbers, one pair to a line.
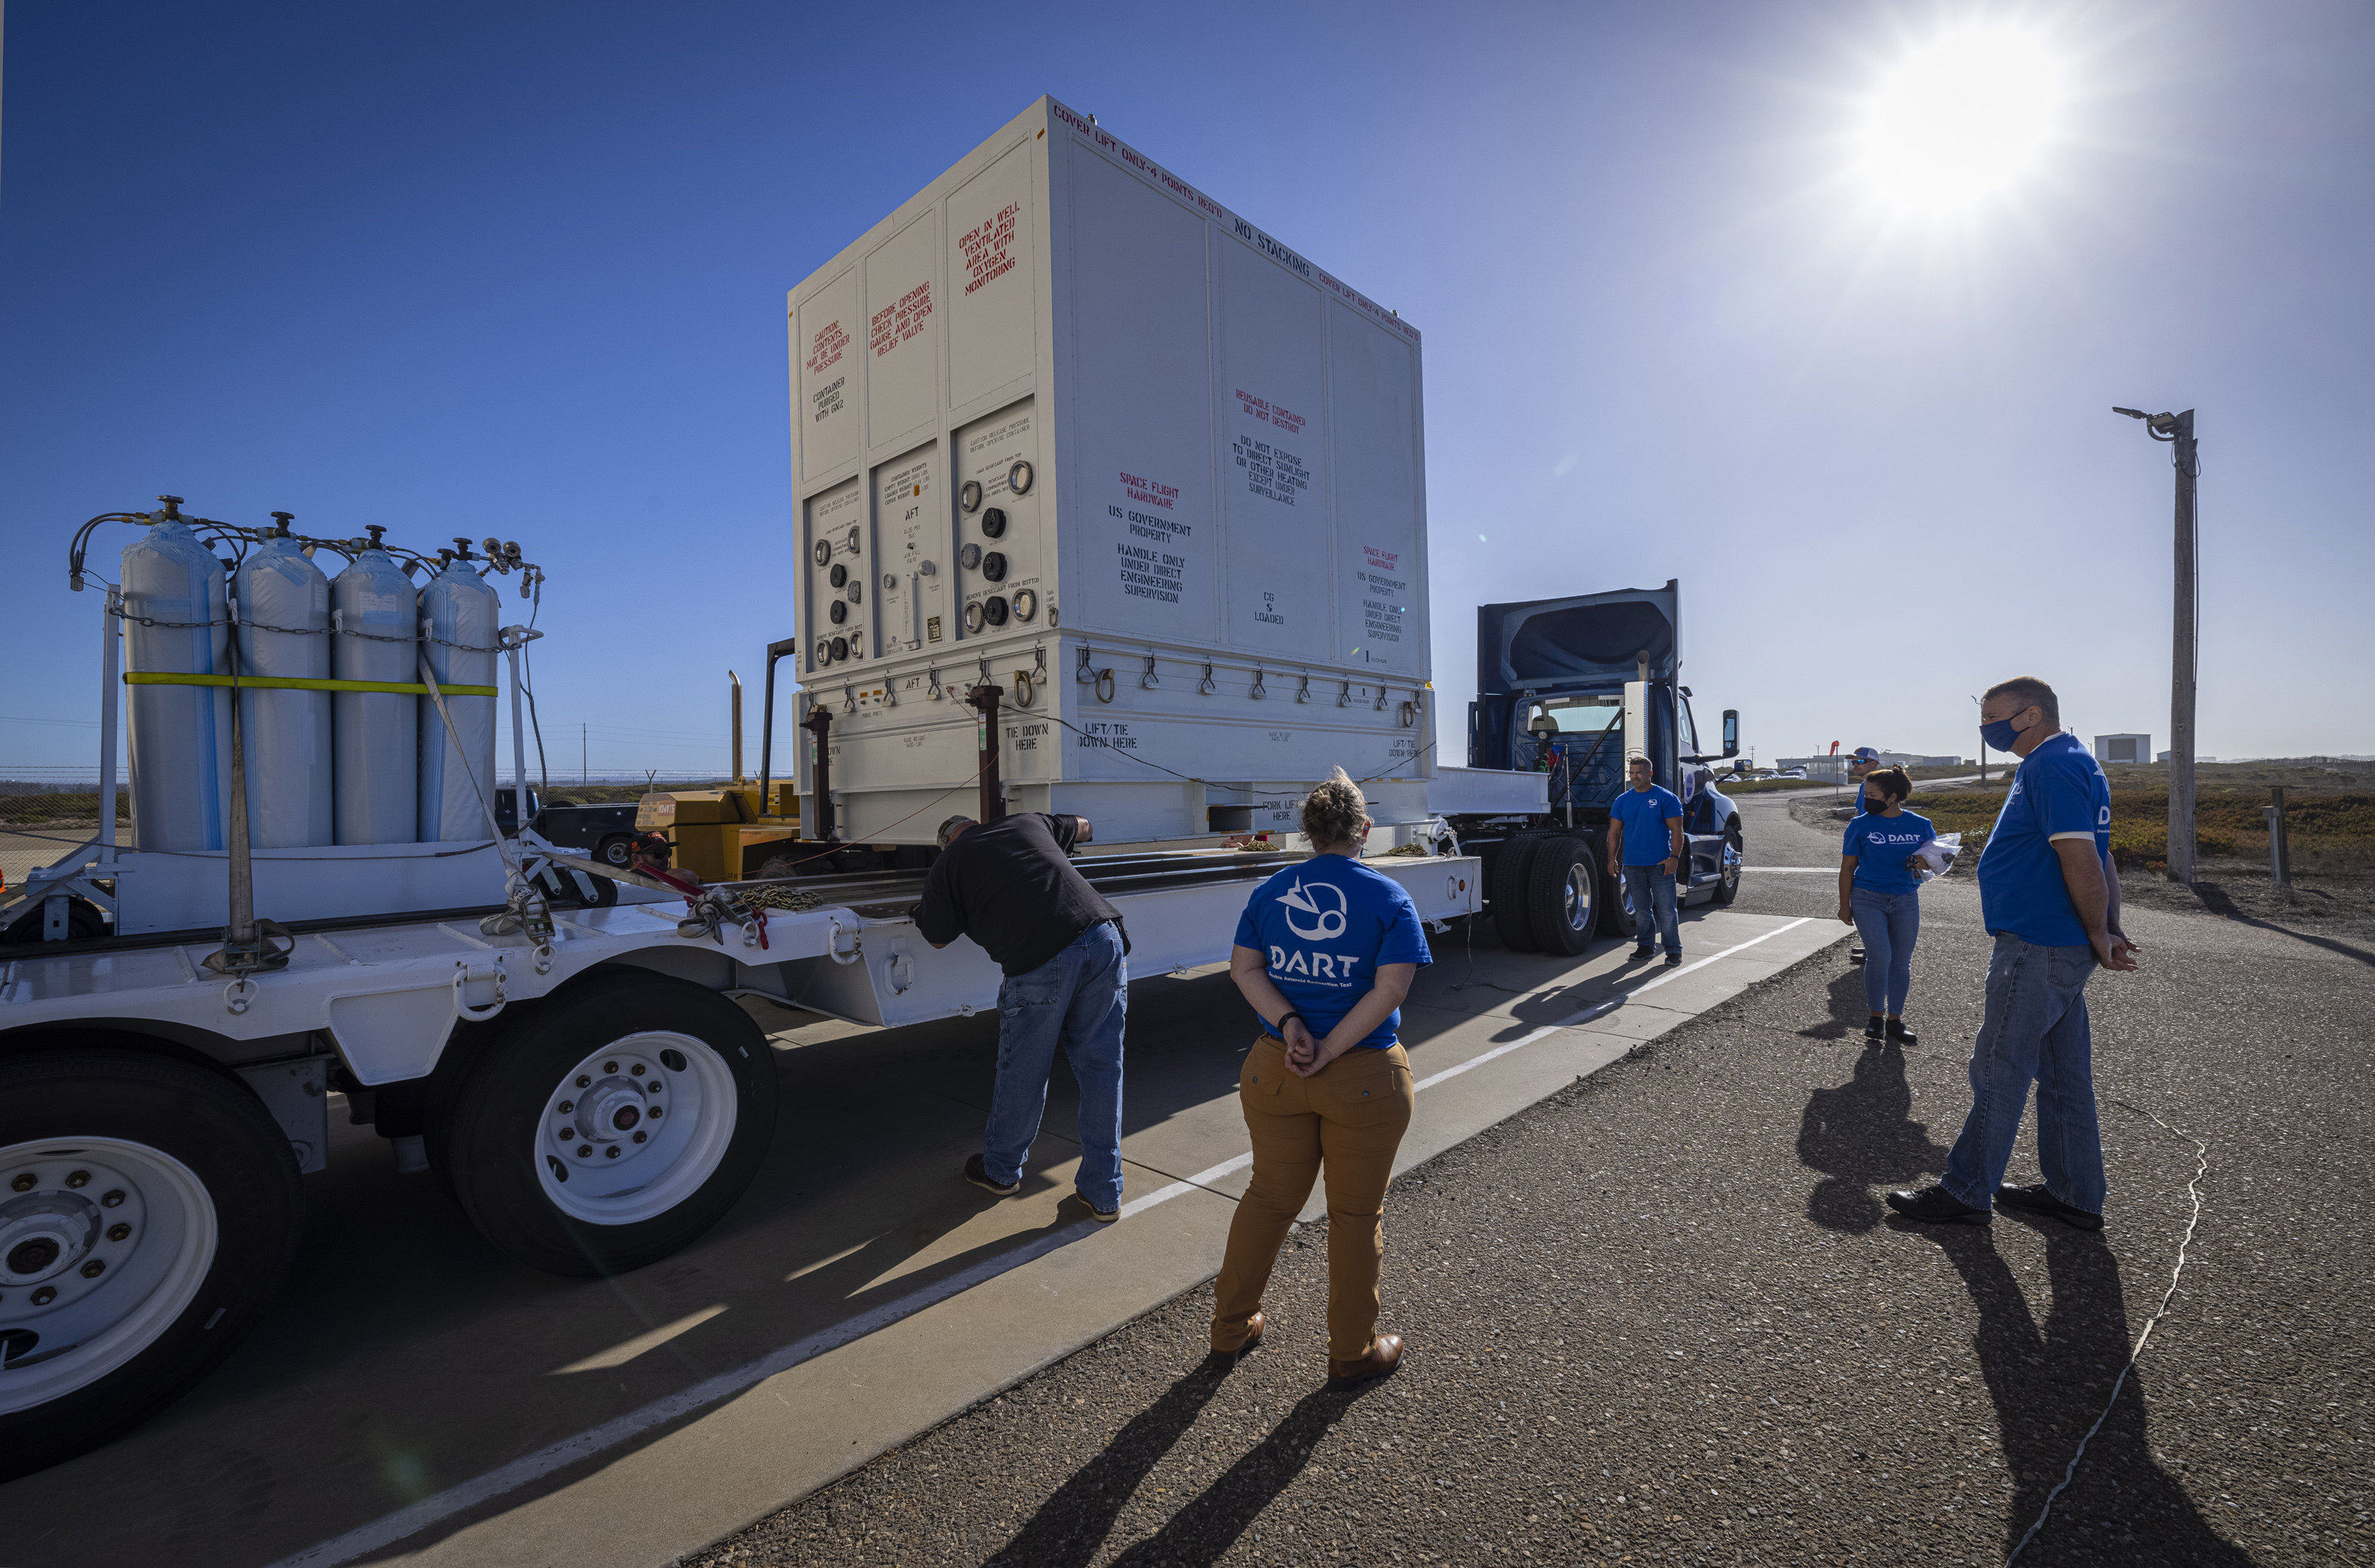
[1064,421]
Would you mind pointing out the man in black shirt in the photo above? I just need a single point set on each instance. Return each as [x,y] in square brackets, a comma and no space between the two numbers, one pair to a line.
[1010,885]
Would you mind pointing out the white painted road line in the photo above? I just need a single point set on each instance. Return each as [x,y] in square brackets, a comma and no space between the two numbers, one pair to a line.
[392,1527]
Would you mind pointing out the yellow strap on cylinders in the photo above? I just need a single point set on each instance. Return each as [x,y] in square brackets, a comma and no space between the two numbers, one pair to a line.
[298,683]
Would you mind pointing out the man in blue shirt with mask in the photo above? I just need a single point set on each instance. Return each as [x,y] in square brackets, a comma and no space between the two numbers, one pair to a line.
[1645,837]
[2050,895]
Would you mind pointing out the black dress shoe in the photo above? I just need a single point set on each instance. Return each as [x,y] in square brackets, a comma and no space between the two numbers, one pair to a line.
[1900,1035]
[1936,1206]
[978,1174]
[2035,1199]
[1873,1029]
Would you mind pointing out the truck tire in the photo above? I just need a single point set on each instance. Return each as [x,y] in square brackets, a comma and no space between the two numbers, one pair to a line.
[1563,895]
[85,922]
[1727,887]
[612,1127]
[1615,907]
[618,850]
[1508,889]
[149,1208]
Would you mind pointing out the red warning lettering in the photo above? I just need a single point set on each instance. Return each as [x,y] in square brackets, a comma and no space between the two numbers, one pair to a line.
[985,246]
[1149,491]
[1269,413]
[894,324]
[824,348]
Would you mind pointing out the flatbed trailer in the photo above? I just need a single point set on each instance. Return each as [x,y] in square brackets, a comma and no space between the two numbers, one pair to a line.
[593,1100]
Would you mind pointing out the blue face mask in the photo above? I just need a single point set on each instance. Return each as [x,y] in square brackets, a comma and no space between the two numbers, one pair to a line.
[1998,736]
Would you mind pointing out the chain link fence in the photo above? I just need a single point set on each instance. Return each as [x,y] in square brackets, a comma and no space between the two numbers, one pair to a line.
[42,820]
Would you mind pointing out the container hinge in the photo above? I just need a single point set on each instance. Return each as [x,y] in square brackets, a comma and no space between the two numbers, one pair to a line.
[848,697]
[1303,692]
[1344,698]
[890,691]
[934,677]
[1149,679]
[1207,686]
[1260,690]
[1081,673]
[1380,703]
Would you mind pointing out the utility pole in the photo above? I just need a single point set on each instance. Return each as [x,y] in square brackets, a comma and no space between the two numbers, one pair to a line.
[2175,430]
[584,768]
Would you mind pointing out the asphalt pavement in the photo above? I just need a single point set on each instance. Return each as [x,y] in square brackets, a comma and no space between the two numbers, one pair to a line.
[1662,1315]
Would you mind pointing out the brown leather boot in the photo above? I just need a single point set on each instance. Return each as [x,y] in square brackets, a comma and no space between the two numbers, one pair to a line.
[1385,1355]
[1254,1326]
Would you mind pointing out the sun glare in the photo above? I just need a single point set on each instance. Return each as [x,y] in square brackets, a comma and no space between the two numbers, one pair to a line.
[1961,120]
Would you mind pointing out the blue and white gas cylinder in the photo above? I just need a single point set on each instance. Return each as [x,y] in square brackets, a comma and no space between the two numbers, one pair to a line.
[175,622]
[460,616]
[284,631]
[375,616]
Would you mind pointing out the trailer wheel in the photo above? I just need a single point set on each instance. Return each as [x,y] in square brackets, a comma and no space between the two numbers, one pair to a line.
[1511,883]
[1727,886]
[612,1127]
[149,1208]
[85,922]
[1562,896]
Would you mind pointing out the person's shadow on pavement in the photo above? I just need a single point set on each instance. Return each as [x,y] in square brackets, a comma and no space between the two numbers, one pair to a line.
[1212,1523]
[1862,1134]
[2049,1384]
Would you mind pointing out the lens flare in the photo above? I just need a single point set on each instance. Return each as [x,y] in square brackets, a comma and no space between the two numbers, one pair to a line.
[1962,119]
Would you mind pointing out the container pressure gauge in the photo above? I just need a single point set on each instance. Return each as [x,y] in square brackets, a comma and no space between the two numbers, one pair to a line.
[889,582]
[1018,478]
[824,651]
[824,551]
[993,566]
[838,575]
[969,497]
[857,591]
[838,611]
[973,617]
[1026,605]
[993,609]
[969,557]
[853,540]
[993,523]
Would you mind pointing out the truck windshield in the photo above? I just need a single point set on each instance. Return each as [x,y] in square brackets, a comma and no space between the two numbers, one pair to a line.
[1573,715]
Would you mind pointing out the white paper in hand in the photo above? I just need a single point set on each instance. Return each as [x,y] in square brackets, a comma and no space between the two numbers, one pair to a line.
[1937,856]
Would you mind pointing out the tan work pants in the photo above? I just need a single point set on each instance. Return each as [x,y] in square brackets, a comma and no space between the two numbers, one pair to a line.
[1349,1116]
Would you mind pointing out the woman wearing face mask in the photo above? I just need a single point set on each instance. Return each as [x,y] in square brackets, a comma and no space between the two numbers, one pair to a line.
[1879,897]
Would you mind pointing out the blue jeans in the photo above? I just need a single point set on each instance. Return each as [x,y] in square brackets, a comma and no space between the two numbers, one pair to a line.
[1652,892]
[1888,923]
[1080,997]
[2035,1028]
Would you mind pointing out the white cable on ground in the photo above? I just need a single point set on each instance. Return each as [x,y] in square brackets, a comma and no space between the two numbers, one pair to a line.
[2194,1191]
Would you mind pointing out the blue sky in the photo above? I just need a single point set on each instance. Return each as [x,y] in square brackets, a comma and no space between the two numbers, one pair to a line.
[519,270]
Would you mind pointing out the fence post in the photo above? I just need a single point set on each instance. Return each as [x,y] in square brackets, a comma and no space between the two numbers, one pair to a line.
[2280,856]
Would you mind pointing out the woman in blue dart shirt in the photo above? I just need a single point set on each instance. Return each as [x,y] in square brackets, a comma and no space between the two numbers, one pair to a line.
[1879,896]
[1326,950]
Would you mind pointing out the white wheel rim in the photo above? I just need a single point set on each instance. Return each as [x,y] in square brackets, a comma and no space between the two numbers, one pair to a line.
[648,1117]
[1578,899]
[137,1216]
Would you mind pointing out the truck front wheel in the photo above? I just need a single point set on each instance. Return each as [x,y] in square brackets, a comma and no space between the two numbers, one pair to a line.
[1730,861]
[1509,890]
[148,1208]
[612,1127]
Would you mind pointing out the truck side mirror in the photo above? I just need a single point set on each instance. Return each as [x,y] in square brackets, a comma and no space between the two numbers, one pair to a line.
[1731,732]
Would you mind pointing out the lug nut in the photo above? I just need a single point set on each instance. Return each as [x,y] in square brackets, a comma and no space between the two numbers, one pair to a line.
[568,1132]
[79,1179]
[655,1113]
[94,1268]
[585,1150]
[22,1181]
[114,1195]
[567,1106]
[45,1295]
[610,1066]
[118,1232]
[639,1138]
[612,1152]
[584,1082]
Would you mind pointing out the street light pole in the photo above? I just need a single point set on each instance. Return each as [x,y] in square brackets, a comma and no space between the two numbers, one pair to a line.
[2177,431]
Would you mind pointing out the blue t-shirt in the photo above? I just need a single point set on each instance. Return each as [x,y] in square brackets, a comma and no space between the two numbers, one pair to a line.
[1880,844]
[1644,812]
[2058,792]
[1327,924]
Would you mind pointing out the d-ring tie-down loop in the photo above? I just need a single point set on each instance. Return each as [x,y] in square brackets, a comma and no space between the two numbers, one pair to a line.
[1149,679]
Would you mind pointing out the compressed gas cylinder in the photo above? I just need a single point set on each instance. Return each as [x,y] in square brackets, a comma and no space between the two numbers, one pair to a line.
[284,630]
[178,736]
[376,736]
[459,616]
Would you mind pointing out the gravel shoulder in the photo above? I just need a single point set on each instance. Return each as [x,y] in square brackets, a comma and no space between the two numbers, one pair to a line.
[1662,1315]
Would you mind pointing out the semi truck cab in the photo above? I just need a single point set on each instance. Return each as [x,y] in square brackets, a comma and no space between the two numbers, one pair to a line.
[1569,689]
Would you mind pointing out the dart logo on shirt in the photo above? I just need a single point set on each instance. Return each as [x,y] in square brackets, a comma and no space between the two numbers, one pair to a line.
[1314,900]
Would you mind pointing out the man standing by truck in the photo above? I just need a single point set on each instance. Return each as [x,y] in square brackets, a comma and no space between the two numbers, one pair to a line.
[1645,837]
[1012,887]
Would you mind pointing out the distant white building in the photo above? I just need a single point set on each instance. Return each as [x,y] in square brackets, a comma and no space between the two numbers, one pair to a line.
[2162,757]
[2123,748]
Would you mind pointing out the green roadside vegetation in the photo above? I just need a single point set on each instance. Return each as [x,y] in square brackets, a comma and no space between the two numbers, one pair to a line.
[2330,828]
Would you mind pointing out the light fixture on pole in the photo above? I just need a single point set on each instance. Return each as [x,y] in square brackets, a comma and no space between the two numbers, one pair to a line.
[2177,430]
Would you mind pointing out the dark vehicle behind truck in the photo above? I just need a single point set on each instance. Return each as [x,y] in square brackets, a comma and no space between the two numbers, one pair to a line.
[1569,689]
[606,833]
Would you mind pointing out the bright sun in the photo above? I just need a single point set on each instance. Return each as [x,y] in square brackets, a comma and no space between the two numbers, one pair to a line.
[1960,120]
